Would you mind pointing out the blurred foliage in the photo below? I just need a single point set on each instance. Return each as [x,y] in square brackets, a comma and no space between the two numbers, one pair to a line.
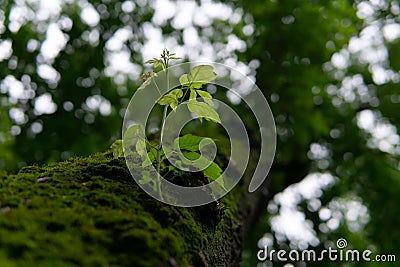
[329,69]
[318,103]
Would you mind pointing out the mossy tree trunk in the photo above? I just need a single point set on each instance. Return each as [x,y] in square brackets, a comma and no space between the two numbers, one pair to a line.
[89,212]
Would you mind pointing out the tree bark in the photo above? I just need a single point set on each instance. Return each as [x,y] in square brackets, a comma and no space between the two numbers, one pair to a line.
[90,212]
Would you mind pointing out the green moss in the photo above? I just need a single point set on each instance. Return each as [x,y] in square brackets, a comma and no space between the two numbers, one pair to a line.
[89,212]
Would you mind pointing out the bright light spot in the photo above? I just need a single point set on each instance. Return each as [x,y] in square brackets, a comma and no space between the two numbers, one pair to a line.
[119,62]
[288,19]
[365,10]
[217,10]
[234,98]
[90,16]
[234,43]
[68,106]
[19,14]
[128,6]
[383,134]
[54,43]
[391,31]
[325,214]
[379,74]
[116,42]
[351,210]
[65,23]
[266,241]
[290,223]
[366,120]
[15,130]
[191,37]
[32,45]
[105,108]
[154,42]
[164,10]
[48,73]
[248,30]
[184,14]
[201,18]
[44,105]
[36,127]
[340,60]
[98,102]
[318,151]
[333,224]
[18,116]
[2,26]
[5,49]
[14,87]
[48,8]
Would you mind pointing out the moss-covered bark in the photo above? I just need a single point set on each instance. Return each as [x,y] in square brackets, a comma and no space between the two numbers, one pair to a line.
[89,212]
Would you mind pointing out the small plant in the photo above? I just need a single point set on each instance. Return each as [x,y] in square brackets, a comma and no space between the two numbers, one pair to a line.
[188,93]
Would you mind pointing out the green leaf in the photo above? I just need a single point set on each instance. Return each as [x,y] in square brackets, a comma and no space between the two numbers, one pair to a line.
[151,157]
[174,105]
[176,92]
[197,159]
[133,132]
[117,149]
[212,172]
[167,99]
[193,94]
[135,141]
[206,97]
[202,110]
[155,61]
[141,147]
[198,76]
[146,178]
[189,142]
[171,98]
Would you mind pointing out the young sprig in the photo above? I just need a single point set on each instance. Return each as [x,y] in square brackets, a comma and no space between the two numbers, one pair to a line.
[166,56]
[191,86]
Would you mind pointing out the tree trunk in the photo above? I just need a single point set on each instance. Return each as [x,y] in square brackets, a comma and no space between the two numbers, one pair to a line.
[90,212]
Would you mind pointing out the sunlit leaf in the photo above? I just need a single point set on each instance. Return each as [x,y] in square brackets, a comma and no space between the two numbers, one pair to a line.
[167,99]
[193,94]
[171,98]
[203,110]
[176,92]
[198,76]
[206,97]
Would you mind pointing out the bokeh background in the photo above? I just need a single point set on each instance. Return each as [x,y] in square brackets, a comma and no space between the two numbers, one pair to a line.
[330,70]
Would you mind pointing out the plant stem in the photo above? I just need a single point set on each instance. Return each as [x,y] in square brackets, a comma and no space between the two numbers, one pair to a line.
[161,139]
